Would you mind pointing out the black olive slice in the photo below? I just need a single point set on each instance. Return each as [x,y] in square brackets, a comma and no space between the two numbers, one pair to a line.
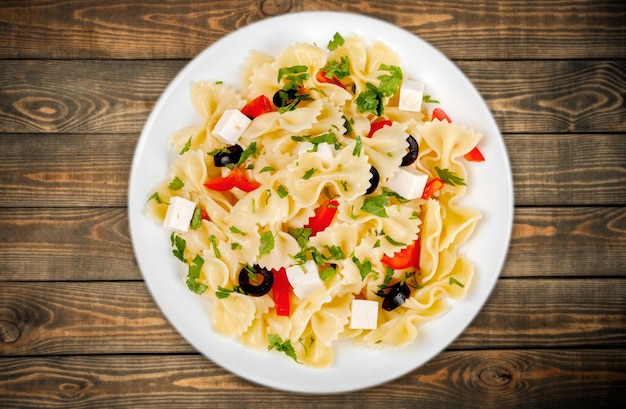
[256,281]
[284,98]
[231,154]
[374,180]
[396,296]
[411,155]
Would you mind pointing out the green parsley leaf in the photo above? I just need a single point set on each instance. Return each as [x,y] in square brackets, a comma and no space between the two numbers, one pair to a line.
[282,191]
[370,100]
[347,123]
[274,341]
[449,177]
[294,75]
[222,292]
[376,205]
[196,219]
[176,184]
[336,252]
[179,245]
[301,234]
[158,199]
[365,267]
[336,42]
[236,230]
[213,241]
[455,281]
[337,69]
[267,169]
[309,173]
[327,273]
[429,99]
[235,246]
[194,273]
[186,147]
[267,243]
[414,215]
[250,151]
[358,146]
[389,84]
[393,242]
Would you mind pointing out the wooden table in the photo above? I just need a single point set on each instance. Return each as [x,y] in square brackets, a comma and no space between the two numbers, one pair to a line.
[78,327]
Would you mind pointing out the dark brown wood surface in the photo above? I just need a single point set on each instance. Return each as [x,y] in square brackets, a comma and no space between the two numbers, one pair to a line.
[78,327]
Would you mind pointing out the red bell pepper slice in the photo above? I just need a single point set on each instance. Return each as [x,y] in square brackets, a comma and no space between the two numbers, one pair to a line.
[321,77]
[439,114]
[323,217]
[236,178]
[282,292]
[431,187]
[204,215]
[258,106]
[405,258]
[377,124]
[475,155]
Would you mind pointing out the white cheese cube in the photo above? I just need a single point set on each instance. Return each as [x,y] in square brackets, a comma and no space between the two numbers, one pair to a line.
[364,314]
[304,278]
[408,183]
[411,94]
[179,214]
[231,125]
[325,151]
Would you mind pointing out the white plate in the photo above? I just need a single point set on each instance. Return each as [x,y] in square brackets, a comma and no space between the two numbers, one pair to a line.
[490,192]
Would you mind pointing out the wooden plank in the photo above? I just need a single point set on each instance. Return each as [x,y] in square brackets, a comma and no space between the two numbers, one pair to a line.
[463,29]
[552,378]
[117,96]
[552,241]
[74,318]
[93,170]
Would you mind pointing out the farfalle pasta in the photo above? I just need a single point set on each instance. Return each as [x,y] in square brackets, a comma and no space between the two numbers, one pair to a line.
[314,205]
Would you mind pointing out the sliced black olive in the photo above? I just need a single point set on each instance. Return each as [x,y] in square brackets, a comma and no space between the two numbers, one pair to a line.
[374,180]
[229,155]
[396,296]
[411,155]
[284,98]
[256,281]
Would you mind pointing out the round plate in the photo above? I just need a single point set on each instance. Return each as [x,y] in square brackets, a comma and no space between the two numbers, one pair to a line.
[490,191]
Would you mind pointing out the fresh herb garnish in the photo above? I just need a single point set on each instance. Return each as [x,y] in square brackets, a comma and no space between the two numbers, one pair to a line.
[376,205]
[176,184]
[186,147]
[282,191]
[336,42]
[394,242]
[309,173]
[358,146]
[389,84]
[193,274]
[329,138]
[455,281]
[267,243]
[370,100]
[213,241]
[235,230]
[157,198]
[196,219]
[337,69]
[179,245]
[365,267]
[274,341]
[449,177]
[429,99]
[222,292]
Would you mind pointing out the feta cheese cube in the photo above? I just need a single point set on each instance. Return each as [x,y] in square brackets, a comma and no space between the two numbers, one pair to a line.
[364,314]
[325,151]
[304,278]
[411,94]
[408,183]
[231,125]
[179,214]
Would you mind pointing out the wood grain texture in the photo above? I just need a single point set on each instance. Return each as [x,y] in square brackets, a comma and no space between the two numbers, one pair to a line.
[465,29]
[69,318]
[89,244]
[117,96]
[565,379]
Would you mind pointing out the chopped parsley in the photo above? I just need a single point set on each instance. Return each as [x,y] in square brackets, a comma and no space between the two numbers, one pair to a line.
[370,100]
[450,177]
[176,184]
[429,99]
[267,243]
[309,173]
[358,146]
[213,241]
[157,198]
[455,281]
[282,191]
[337,69]
[274,341]
[186,147]
[389,84]
[179,245]
[235,230]
[196,219]
[376,205]
[193,274]
[329,138]
[222,292]
[336,42]
[365,267]
[393,242]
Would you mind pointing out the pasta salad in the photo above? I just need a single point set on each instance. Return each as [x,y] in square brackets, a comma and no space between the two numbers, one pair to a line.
[318,201]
